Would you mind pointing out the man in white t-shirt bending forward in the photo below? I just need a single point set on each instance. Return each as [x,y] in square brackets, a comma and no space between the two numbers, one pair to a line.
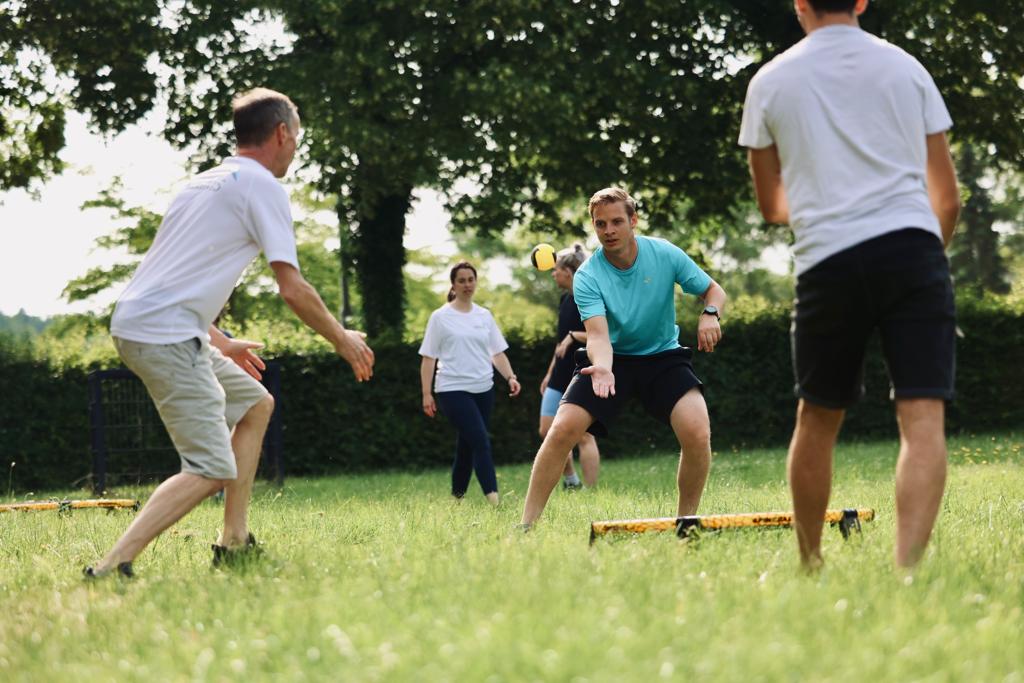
[204,384]
[847,143]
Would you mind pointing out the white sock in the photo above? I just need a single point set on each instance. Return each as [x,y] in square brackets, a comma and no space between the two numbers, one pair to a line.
[572,479]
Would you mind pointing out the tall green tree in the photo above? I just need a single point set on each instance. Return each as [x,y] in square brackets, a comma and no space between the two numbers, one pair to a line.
[539,103]
[59,55]
[1010,212]
[542,102]
[974,254]
[533,101]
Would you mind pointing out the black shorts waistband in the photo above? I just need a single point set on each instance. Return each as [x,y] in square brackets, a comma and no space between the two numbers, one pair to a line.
[685,352]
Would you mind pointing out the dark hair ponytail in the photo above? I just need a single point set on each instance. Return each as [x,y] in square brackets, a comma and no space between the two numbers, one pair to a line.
[454,271]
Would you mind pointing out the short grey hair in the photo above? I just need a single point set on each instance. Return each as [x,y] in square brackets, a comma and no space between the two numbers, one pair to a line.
[257,114]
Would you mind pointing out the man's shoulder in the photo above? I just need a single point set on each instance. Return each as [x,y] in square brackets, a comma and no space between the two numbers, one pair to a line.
[895,57]
[587,282]
[258,176]
[251,176]
[781,66]
[883,46]
[592,265]
[216,178]
[236,174]
[656,242]
[659,245]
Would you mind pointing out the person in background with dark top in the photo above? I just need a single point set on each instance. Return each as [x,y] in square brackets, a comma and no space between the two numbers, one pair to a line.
[571,336]
[464,344]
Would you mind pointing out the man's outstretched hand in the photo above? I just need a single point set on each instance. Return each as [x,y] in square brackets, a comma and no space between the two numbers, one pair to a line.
[240,351]
[353,349]
[602,379]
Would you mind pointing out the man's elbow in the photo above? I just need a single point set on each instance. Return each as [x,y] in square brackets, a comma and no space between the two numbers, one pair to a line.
[722,296]
[773,213]
[770,211]
[949,207]
[291,292]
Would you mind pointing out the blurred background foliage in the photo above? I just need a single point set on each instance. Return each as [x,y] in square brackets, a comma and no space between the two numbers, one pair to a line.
[515,111]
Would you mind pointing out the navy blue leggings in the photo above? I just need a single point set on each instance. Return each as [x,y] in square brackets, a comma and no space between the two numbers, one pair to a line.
[470,414]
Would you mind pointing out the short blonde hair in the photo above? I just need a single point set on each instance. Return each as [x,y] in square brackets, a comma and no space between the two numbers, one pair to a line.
[611,195]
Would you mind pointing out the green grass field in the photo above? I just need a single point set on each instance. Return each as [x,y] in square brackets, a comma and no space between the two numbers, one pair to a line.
[384,577]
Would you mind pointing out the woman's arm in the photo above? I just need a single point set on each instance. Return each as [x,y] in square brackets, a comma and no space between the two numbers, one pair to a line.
[547,375]
[567,341]
[504,366]
[426,379]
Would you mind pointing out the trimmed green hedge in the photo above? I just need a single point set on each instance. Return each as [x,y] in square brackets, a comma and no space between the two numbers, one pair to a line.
[44,425]
[333,424]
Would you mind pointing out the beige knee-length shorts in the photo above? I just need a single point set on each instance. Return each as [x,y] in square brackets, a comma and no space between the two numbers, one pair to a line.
[200,396]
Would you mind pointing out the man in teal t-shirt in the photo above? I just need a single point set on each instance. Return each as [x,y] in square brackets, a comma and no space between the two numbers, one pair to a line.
[626,296]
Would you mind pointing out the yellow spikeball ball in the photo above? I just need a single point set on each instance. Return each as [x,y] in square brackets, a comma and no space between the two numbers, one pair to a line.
[543,257]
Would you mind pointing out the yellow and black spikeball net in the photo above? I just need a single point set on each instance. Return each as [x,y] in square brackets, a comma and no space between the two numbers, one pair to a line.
[847,519]
[68,505]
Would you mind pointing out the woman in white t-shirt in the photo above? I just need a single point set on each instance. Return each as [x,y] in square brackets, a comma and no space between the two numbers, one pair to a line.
[464,343]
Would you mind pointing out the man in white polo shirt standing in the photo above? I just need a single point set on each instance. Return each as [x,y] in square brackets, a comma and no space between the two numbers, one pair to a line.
[204,384]
[847,143]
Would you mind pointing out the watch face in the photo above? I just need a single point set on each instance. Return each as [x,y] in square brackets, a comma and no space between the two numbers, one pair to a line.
[711,310]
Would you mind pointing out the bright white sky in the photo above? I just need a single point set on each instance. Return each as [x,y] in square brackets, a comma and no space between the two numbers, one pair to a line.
[46,242]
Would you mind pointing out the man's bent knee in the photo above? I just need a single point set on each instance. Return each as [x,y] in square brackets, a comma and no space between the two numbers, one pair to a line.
[818,418]
[569,426]
[567,434]
[921,418]
[696,434]
[692,428]
[213,483]
[262,410]
[266,404]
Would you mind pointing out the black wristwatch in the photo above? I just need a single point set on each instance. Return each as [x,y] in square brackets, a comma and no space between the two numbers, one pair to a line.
[712,310]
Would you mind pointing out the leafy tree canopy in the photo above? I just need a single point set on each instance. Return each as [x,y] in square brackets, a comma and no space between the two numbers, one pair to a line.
[538,103]
[87,55]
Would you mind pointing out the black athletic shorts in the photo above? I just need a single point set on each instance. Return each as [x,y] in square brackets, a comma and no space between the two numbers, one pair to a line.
[658,380]
[898,284]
